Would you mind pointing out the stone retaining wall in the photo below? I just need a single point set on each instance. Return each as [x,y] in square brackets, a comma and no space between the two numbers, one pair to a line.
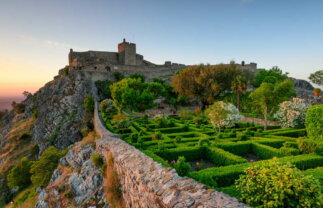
[146,183]
[259,121]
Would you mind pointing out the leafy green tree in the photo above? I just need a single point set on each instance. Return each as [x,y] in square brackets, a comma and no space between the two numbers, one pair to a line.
[89,104]
[19,176]
[205,82]
[104,88]
[273,76]
[239,85]
[42,170]
[138,76]
[268,96]
[317,77]
[132,93]
[314,122]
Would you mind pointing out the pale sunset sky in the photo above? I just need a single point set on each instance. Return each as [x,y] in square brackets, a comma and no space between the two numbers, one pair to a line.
[36,35]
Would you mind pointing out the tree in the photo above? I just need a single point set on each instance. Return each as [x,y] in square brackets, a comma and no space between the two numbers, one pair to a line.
[223,114]
[239,85]
[42,170]
[19,176]
[204,81]
[317,77]
[314,122]
[89,104]
[292,113]
[26,93]
[134,94]
[273,76]
[267,97]
[138,76]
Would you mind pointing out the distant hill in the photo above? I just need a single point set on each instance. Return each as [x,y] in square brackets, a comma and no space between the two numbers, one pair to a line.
[5,101]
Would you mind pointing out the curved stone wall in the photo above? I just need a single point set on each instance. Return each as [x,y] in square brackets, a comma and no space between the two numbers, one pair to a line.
[146,183]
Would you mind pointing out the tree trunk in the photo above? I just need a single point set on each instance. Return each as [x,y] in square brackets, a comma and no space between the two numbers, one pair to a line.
[238,100]
[265,109]
[204,103]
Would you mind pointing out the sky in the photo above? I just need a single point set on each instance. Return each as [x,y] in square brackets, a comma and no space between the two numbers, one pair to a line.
[36,35]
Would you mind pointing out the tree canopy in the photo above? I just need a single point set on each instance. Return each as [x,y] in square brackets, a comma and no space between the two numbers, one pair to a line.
[267,97]
[317,77]
[272,76]
[205,82]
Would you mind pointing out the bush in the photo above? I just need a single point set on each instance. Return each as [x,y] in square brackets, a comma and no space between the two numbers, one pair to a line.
[272,184]
[89,104]
[42,170]
[85,131]
[19,176]
[190,153]
[107,106]
[134,138]
[161,145]
[182,167]
[221,157]
[204,141]
[308,145]
[118,76]
[160,122]
[178,139]
[18,107]
[97,160]
[35,113]
[198,111]
[289,151]
[198,120]
[265,152]
[156,158]
[185,114]
[121,121]
[157,136]
[314,122]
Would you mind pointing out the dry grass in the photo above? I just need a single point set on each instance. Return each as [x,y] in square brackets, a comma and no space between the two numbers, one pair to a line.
[112,185]
[16,147]
[30,202]
[89,139]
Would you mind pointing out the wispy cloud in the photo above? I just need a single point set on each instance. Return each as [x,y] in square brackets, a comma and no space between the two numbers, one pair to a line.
[47,43]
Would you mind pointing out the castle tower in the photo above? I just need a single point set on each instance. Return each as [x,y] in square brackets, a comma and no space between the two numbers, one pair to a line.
[127,53]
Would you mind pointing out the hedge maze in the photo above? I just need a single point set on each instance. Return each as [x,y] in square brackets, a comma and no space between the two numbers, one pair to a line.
[216,159]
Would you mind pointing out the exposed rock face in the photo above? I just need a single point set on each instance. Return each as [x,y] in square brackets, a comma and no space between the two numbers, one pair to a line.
[61,115]
[75,183]
[303,84]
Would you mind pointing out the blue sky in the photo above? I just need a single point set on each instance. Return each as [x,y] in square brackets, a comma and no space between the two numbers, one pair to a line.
[35,35]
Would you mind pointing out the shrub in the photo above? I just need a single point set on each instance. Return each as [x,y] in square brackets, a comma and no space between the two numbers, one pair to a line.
[107,106]
[89,104]
[292,113]
[198,120]
[138,76]
[157,136]
[42,170]
[182,167]
[160,122]
[178,139]
[118,76]
[308,145]
[289,151]
[185,114]
[317,90]
[85,131]
[221,157]
[156,158]
[19,176]
[161,145]
[121,121]
[272,184]
[265,152]
[97,160]
[35,113]
[18,107]
[204,141]
[198,111]
[244,137]
[314,122]
[134,138]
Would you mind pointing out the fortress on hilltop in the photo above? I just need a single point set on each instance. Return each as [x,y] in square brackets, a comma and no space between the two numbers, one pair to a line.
[100,64]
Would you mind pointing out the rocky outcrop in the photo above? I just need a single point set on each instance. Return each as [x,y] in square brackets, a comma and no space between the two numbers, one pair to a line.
[75,183]
[61,115]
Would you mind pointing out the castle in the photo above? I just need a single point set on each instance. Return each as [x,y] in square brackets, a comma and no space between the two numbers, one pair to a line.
[100,64]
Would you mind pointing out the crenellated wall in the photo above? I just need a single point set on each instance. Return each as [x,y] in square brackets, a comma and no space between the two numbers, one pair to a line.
[146,183]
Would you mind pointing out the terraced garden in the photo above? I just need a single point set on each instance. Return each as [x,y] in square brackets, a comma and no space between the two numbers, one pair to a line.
[216,159]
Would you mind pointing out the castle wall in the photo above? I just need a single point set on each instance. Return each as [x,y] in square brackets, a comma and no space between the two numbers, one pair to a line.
[130,54]
[145,183]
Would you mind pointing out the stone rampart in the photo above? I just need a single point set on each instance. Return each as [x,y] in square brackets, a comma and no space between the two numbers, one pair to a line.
[146,183]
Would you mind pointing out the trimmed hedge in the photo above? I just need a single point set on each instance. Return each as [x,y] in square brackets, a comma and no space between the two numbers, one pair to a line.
[190,153]
[156,158]
[265,152]
[226,175]
[221,157]
[290,133]
[316,172]
[314,121]
[238,148]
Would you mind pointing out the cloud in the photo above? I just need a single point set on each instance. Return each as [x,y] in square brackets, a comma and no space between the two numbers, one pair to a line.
[28,40]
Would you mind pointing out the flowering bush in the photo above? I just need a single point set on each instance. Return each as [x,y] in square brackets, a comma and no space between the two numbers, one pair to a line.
[292,113]
[223,114]
[271,184]
[107,106]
